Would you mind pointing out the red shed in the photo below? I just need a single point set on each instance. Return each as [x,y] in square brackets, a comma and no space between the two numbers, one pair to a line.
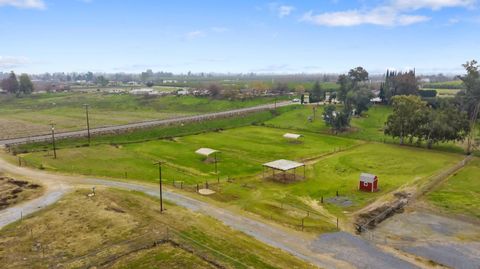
[368,182]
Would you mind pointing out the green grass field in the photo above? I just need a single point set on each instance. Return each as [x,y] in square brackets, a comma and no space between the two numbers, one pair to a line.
[460,194]
[454,84]
[243,150]
[32,114]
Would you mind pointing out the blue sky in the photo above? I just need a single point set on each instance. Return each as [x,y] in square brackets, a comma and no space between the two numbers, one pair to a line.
[311,36]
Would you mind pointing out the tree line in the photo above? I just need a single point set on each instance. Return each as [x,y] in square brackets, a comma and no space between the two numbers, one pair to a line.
[445,120]
[417,116]
[22,85]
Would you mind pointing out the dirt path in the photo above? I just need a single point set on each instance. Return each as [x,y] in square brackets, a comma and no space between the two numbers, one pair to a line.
[343,251]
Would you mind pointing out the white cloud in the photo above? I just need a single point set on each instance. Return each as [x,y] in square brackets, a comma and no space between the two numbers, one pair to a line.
[194,34]
[11,62]
[33,4]
[284,11]
[431,4]
[383,16]
[281,10]
[392,13]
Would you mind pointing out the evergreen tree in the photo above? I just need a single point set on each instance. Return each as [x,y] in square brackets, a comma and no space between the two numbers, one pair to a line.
[10,84]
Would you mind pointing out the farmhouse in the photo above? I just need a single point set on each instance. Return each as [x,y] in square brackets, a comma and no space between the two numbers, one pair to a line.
[368,182]
[284,166]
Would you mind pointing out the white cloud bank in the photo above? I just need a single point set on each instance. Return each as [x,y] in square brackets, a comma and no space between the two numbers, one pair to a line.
[284,11]
[393,13]
[12,62]
[27,4]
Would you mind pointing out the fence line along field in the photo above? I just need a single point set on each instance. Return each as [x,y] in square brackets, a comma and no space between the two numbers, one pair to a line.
[32,115]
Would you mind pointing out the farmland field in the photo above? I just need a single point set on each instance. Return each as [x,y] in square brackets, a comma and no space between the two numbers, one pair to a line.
[117,228]
[20,117]
[460,194]
[334,164]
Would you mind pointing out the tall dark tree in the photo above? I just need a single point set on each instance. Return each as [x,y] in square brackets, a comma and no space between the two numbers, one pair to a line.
[215,90]
[26,85]
[281,88]
[345,86]
[317,94]
[10,84]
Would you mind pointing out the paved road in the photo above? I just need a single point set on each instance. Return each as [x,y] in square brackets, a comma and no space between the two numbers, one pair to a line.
[140,125]
[321,251]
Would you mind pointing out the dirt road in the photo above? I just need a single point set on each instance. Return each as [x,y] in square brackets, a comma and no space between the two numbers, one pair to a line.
[141,125]
[322,251]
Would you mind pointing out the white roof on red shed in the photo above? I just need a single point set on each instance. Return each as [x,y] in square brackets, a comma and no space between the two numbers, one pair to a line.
[368,178]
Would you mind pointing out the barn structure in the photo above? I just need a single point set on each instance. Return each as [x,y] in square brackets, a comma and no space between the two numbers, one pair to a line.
[283,167]
[368,182]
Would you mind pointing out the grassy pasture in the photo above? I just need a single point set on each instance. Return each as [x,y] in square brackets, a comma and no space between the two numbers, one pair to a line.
[368,127]
[396,166]
[32,114]
[460,194]
[80,232]
[243,150]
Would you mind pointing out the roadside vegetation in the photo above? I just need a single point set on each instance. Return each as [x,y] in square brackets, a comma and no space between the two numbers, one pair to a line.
[120,229]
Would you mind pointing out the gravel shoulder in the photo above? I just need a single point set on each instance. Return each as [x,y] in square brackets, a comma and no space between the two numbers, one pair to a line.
[446,241]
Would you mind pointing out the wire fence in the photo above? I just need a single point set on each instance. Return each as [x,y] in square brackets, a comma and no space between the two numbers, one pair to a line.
[41,252]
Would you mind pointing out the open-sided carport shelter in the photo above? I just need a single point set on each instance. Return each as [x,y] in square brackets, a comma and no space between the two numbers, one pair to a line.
[284,166]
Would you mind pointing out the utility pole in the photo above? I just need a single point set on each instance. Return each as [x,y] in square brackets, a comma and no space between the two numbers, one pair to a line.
[216,168]
[88,123]
[159,163]
[53,141]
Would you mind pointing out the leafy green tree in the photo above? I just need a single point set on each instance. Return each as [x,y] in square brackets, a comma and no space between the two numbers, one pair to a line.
[445,123]
[339,121]
[470,97]
[26,85]
[359,100]
[101,80]
[409,114]
[10,84]
[358,74]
